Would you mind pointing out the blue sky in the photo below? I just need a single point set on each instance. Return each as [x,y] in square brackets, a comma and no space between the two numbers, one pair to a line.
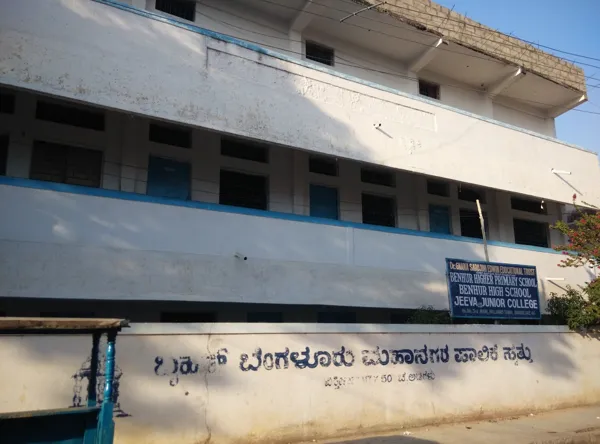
[572,26]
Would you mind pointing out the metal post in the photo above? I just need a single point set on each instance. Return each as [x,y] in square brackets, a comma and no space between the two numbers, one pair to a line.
[482,221]
[106,427]
[92,395]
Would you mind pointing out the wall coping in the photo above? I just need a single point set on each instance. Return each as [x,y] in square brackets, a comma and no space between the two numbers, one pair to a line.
[298,328]
[135,197]
[307,64]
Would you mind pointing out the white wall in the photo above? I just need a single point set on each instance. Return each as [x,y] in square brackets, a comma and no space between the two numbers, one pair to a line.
[509,113]
[62,245]
[160,402]
[283,103]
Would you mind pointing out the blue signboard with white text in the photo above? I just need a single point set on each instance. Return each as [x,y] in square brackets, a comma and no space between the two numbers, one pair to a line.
[492,290]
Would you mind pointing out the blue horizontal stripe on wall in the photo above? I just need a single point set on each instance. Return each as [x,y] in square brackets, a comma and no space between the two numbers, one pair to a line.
[257,48]
[134,197]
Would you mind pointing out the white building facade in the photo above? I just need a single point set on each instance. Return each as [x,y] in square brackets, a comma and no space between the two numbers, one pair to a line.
[275,161]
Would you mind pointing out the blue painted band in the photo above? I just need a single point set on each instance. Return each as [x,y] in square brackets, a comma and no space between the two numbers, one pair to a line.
[257,48]
[100,192]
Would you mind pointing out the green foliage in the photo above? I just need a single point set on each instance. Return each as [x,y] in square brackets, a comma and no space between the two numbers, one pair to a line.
[428,315]
[584,240]
[579,308]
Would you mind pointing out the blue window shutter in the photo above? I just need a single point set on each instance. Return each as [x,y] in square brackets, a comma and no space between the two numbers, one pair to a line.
[439,219]
[323,202]
[168,178]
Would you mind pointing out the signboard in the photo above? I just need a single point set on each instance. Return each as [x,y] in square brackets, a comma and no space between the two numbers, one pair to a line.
[492,290]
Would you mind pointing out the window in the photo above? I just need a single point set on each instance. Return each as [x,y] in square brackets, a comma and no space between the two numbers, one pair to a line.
[168,178]
[323,165]
[439,219]
[7,103]
[66,164]
[378,210]
[206,317]
[244,150]
[3,153]
[323,202]
[319,53]
[471,194]
[243,190]
[336,317]
[438,188]
[429,89]
[377,177]
[528,232]
[470,225]
[531,206]
[170,135]
[186,9]
[70,115]
[264,316]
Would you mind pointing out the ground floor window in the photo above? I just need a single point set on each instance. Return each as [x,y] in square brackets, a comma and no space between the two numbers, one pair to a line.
[243,190]
[470,224]
[3,153]
[439,219]
[378,210]
[324,202]
[73,165]
[168,178]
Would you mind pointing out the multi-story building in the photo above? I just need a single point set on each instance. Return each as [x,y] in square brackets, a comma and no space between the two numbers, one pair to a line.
[273,160]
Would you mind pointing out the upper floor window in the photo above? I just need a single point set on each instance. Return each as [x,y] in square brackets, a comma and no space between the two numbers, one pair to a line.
[323,165]
[186,9]
[438,188]
[377,177]
[242,149]
[528,205]
[171,135]
[67,114]
[471,194]
[66,164]
[429,89]
[319,53]
[7,103]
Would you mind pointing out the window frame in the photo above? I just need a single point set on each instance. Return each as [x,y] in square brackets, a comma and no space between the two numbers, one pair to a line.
[326,47]
[64,173]
[154,8]
[429,84]
[266,177]
[389,197]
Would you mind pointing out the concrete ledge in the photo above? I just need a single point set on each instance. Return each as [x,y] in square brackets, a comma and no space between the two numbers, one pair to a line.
[285,328]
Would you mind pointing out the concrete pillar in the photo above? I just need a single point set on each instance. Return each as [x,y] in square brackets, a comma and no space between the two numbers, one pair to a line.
[206,148]
[280,180]
[350,191]
[134,155]
[454,210]
[506,232]
[111,171]
[300,182]
[422,204]
[406,201]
